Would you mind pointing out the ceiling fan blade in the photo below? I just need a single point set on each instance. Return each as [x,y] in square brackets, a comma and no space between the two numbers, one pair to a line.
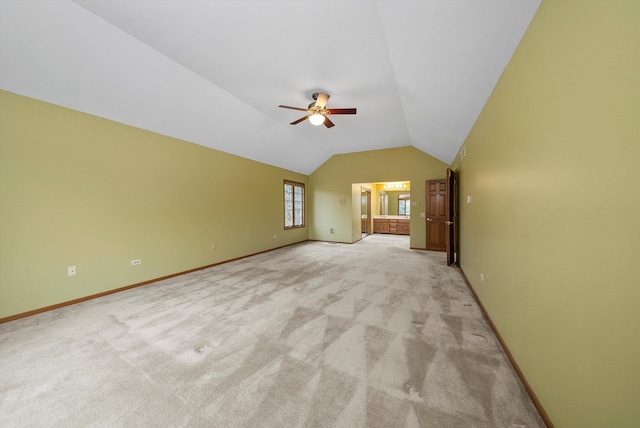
[321,100]
[328,123]
[341,110]
[293,108]
[300,120]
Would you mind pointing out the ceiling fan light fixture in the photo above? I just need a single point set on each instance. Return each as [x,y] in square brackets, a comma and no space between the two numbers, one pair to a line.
[317,110]
[316,119]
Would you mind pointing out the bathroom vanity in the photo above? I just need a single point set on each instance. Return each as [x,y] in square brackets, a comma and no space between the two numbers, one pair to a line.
[393,224]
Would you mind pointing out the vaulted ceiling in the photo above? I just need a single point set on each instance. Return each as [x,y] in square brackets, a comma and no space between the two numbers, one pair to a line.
[213,72]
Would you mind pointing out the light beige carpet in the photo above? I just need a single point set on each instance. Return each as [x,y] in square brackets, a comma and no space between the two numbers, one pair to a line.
[313,335]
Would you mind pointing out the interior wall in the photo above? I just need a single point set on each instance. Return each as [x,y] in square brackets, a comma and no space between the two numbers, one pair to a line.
[333,194]
[78,190]
[552,166]
[376,207]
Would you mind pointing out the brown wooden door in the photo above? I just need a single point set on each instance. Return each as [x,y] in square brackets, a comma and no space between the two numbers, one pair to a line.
[436,214]
[451,217]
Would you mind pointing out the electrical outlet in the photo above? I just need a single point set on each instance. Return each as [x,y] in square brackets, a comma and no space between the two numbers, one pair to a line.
[213,245]
[135,262]
[481,277]
[275,236]
[71,271]
[331,230]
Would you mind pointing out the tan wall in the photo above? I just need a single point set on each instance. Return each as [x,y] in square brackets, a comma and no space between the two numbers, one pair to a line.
[77,190]
[331,205]
[553,168]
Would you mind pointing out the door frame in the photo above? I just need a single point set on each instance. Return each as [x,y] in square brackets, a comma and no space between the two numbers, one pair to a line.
[368,223]
[369,218]
[451,218]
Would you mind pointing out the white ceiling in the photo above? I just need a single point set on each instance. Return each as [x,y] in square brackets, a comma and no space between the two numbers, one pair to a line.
[213,72]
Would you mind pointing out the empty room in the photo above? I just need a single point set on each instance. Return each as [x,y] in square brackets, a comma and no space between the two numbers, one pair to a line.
[319,213]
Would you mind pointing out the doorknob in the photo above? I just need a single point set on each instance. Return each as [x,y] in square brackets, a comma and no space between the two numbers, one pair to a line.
[448,223]
[428,219]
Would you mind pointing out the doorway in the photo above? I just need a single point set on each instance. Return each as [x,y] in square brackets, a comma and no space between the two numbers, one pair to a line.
[365,212]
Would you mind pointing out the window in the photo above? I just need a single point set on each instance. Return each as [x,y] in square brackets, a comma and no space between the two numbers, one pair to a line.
[293,204]
[404,205]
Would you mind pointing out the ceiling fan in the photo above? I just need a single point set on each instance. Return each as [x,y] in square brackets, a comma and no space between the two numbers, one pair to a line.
[318,111]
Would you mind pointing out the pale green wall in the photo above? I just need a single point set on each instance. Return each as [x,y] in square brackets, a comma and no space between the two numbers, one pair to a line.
[393,203]
[80,190]
[553,168]
[333,195]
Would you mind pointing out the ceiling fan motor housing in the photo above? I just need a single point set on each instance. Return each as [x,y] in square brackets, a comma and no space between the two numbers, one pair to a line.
[315,98]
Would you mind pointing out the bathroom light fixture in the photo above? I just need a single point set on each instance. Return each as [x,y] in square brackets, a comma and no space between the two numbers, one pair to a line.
[395,186]
[316,119]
